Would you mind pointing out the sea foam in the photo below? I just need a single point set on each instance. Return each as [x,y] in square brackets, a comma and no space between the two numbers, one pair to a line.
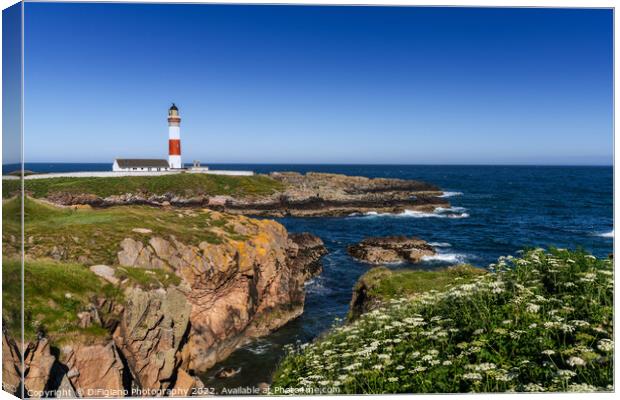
[609,234]
[439,212]
[446,257]
[451,194]
[440,244]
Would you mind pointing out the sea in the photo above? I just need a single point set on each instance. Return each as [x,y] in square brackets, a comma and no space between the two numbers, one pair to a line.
[495,211]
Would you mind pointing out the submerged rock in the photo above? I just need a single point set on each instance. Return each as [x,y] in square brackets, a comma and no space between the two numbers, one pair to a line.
[391,249]
[227,372]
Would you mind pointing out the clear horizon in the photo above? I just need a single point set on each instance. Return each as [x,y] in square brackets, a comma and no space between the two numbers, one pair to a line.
[319,85]
[345,164]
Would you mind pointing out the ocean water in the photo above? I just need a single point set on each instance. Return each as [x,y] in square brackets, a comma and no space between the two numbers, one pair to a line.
[496,210]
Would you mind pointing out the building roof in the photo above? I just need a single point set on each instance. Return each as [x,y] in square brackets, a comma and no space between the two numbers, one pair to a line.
[141,163]
[174,107]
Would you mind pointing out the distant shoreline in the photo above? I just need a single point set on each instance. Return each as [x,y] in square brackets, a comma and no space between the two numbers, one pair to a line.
[71,166]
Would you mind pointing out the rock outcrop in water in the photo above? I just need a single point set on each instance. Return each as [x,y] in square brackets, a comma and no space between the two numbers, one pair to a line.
[310,195]
[391,249]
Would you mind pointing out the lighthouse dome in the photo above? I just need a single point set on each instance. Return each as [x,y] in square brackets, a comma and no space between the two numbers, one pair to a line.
[173,111]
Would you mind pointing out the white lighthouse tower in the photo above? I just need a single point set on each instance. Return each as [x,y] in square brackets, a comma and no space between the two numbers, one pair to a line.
[174,138]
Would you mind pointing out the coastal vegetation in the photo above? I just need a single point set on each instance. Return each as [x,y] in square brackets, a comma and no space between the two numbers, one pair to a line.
[540,322]
[54,294]
[381,284]
[178,184]
[275,195]
[93,235]
[171,291]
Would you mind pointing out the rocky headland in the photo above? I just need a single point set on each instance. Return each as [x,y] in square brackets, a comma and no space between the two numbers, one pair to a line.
[380,284]
[144,298]
[275,195]
[391,249]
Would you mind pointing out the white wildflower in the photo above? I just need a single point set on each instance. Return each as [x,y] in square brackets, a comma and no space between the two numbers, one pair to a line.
[533,387]
[472,376]
[565,374]
[581,387]
[605,345]
[532,308]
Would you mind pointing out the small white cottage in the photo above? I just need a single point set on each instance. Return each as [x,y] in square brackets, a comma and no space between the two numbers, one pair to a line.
[139,165]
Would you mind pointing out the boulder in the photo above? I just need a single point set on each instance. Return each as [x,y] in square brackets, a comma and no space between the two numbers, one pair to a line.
[105,272]
[144,231]
[391,249]
[130,251]
[95,370]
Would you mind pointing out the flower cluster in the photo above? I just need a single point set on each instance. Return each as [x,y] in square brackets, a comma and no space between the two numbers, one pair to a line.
[541,322]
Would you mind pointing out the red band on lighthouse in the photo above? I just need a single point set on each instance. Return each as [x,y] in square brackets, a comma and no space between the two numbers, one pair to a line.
[174,147]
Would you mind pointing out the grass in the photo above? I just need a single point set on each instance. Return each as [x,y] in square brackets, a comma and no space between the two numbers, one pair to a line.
[93,235]
[178,184]
[384,284]
[147,278]
[539,323]
[54,294]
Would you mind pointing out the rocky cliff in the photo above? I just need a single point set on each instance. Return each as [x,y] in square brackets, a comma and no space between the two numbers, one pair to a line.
[288,194]
[187,295]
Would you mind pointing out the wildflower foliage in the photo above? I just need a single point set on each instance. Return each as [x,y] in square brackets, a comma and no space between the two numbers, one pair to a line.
[542,322]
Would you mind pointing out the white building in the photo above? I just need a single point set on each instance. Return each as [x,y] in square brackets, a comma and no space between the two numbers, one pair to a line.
[137,165]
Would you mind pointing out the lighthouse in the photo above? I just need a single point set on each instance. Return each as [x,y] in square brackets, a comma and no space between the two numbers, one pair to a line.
[174,138]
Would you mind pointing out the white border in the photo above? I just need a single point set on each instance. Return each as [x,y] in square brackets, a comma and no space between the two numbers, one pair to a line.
[458,3]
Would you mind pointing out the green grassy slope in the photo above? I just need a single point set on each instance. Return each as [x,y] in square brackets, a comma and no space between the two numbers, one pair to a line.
[179,184]
[543,322]
[384,284]
[95,234]
[54,294]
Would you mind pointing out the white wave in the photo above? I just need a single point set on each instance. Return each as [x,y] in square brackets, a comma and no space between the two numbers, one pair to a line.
[317,286]
[440,244]
[258,347]
[450,209]
[451,194]
[439,212]
[609,234]
[446,257]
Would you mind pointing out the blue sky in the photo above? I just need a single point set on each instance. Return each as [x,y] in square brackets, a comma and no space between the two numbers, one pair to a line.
[277,84]
[11,84]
